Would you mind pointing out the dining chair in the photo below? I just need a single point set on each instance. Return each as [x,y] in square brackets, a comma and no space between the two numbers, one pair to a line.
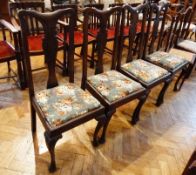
[159,54]
[110,87]
[142,71]
[10,51]
[59,107]
[36,32]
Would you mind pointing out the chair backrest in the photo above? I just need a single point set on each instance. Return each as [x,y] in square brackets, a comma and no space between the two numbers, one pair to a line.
[15,7]
[66,6]
[179,28]
[58,2]
[131,21]
[93,20]
[4,10]
[101,38]
[50,41]
[154,36]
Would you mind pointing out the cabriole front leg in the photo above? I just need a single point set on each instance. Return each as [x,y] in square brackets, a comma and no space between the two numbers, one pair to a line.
[51,142]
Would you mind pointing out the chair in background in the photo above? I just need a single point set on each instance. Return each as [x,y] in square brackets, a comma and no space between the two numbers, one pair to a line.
[171,62]
[36,33]
[63,107]
[148,74]
[65,2]
[111,88]
[93,29]
[182,46]
[10,51]
[183,42]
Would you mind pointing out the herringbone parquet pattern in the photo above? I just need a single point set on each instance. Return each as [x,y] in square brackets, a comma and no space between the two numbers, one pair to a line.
[160,144]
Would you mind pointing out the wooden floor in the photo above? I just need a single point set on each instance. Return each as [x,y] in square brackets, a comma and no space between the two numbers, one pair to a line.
[160,144]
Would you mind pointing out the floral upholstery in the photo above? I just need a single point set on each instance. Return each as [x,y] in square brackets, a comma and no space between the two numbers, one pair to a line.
[5,50]
[62,103]
[78,37]
[188,45]
[190,57]
[168,61]
[113,85]
[145,71]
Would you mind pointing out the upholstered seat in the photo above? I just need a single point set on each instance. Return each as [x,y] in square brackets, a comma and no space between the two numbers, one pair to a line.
[166,60]
[110,32]
[35,43]
[138,29]
[190,57]
[144,71]
[188,45]
[6,51]
[65,102]
[113,85]
[78,37]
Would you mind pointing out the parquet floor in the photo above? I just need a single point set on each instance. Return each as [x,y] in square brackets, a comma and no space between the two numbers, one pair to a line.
[160,144]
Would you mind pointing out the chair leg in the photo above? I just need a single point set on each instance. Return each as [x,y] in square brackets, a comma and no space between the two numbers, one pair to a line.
[108,118]
[20,73]
[181,77]
[65,63]
[51,142]
[135,117]
[160,98]
[101,122]
[33,119]
[92,62]
[8,66]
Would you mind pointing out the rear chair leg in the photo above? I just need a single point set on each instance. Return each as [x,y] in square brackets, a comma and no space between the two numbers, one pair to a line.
[92,61]
[51,142]
[33,120]
[135,117]
[101,122]
[182,77]
[108,118]
[160,98]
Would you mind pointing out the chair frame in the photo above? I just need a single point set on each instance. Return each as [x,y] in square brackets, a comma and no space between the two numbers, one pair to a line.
[49,22]
[147,9]
[183,68]
[110,107]
[14,34]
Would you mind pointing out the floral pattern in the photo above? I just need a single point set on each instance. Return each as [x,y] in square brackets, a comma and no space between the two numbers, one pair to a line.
[188,45]
[113,85]
[65,102]
[145,71]
[167,60]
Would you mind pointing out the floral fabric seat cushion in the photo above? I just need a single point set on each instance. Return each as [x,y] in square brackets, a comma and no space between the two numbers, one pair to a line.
[62,103]
[167,60]
[113,85]
[145,71]
[188,45]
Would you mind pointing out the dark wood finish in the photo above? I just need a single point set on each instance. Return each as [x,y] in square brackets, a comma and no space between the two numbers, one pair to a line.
[163,45]
[35,29]
[94,25]
[146,24]
[141,94]
[4,10]
[49,22]
[78,31]
[12,53]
